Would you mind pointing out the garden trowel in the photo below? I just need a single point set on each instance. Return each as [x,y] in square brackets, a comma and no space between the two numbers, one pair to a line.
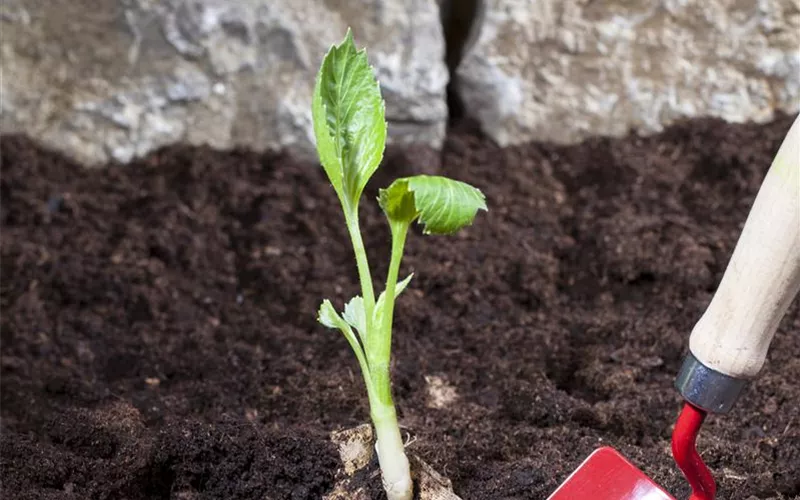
[728,345]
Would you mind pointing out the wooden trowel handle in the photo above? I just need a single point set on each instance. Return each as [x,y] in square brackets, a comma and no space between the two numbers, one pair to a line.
[762,277]
[729,344]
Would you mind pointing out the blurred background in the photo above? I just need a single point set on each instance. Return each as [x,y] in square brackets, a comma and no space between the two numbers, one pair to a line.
[105,80]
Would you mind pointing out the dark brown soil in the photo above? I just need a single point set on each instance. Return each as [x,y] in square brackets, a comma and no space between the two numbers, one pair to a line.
[159,337]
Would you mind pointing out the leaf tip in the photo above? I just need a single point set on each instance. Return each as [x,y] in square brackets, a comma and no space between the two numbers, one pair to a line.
[349,42]
[327,314]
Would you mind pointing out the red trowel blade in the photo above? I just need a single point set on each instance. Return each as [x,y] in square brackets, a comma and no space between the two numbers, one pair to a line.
[607,475]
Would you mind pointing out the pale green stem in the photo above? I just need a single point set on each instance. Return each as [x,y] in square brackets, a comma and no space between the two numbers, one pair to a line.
[364,275]
[382,348]
[395,469]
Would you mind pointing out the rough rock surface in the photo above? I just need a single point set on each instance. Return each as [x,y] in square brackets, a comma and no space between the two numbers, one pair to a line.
[115,79]
[564,70]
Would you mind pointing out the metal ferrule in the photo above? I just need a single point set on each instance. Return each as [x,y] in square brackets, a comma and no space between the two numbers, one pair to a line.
[706,388]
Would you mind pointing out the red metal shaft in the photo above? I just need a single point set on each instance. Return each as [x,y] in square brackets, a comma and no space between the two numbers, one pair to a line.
[685,453]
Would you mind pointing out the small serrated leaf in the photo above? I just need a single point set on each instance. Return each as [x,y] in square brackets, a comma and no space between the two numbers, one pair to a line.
[356,317]
[442,205]
[349,118]
[328,316]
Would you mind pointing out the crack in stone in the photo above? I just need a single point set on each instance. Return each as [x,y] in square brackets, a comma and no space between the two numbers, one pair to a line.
[460,26]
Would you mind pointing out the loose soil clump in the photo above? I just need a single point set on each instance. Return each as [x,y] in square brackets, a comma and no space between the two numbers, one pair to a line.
[159,338]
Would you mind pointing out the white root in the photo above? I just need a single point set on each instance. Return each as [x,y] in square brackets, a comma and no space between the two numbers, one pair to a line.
[395,469]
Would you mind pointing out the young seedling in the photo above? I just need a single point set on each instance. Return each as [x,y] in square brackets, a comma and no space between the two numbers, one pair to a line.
[350,130]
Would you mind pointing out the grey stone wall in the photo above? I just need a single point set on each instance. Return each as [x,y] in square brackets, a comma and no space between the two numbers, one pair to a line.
[563,70]
[114,79]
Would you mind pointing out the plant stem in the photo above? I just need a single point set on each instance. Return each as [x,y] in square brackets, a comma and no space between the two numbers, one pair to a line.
[364,275]
[381,350]
[394,464]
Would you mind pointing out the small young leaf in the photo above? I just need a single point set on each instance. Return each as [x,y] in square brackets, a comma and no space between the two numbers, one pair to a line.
[349,119]
[443,205]
[329,317]
[356,317]
[377,314]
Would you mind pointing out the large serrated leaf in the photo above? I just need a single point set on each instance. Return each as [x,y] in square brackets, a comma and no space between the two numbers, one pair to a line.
[442,205]
[349,119]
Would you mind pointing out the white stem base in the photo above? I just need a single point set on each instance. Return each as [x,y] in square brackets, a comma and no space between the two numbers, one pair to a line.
[395,470]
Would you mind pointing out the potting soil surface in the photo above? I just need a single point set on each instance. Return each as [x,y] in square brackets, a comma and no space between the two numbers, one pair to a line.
[159,338]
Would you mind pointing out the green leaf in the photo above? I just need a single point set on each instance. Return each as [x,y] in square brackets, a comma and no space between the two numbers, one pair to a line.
[443,205]
[356,317]
[349,119]
[397,202]
[329,317]
[377,314]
